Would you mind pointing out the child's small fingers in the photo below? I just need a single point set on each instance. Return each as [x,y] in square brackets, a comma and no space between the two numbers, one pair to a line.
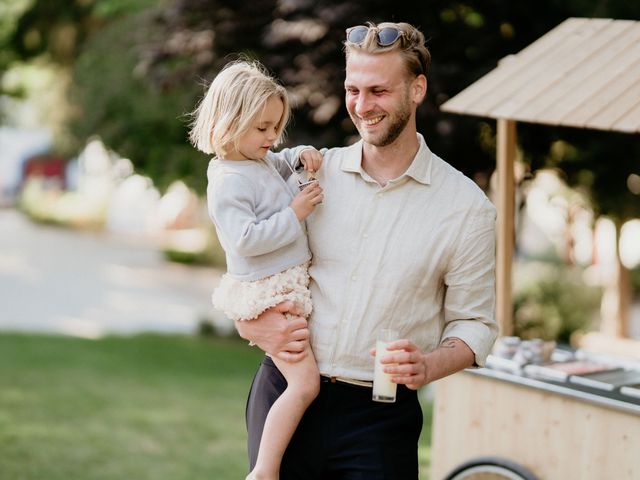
[310,195]
[313,189]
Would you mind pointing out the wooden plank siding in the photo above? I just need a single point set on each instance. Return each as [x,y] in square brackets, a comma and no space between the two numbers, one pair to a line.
[583,73]
[554,436]
[463,102]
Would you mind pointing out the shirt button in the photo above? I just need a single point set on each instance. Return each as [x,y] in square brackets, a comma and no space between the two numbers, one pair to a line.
[365,236]
[354,278]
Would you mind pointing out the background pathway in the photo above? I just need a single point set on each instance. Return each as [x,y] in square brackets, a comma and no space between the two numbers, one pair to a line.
[88,283]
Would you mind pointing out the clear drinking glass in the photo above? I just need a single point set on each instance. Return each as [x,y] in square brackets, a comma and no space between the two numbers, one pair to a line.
[384,390]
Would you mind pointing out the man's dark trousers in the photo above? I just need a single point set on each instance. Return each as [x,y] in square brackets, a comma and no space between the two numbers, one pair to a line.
[344,435]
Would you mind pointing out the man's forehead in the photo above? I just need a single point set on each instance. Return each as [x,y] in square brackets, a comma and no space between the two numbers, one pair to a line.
[382,68]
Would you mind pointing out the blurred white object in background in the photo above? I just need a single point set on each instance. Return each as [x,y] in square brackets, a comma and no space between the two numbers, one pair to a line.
[132,205]
[630,244]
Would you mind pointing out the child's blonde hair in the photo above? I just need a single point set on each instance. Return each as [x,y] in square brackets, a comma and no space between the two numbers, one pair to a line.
[233,100]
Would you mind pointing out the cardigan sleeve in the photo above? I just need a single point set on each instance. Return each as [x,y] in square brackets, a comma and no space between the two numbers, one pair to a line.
[231,203]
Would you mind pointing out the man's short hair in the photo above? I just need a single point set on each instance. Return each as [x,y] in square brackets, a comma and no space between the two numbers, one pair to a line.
[411,45]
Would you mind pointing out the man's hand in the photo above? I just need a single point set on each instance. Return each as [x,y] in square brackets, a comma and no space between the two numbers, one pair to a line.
[408,366]
[311,159]
[413,368]
[281,337]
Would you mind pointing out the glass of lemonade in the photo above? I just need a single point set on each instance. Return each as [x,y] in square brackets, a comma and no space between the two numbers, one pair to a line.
[384,390]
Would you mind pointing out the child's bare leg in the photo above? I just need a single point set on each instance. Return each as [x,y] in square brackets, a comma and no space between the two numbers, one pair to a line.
[303,381]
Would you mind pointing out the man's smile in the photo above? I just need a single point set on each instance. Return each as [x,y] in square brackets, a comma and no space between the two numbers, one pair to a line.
[372,121]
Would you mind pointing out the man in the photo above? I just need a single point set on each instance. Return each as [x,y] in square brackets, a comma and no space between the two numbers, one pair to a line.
[402,241]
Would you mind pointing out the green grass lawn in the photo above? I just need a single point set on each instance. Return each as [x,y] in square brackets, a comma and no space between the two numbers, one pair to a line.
[143,407]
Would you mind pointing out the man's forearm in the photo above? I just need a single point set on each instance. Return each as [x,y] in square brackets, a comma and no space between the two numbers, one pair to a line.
[450,357]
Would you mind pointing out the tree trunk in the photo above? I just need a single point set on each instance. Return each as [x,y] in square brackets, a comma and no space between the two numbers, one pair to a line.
[616,299]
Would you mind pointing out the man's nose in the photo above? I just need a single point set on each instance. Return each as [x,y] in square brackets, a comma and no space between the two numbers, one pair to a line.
[363,104]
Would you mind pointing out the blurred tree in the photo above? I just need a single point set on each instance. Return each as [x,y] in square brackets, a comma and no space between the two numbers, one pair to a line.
[59,28]
[51,33]
[552,301]
[54,27]
[603,165]
[301,42]
[10,14]
[144,64]
[138,112]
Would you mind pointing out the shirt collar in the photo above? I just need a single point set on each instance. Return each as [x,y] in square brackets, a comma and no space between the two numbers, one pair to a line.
[419,170]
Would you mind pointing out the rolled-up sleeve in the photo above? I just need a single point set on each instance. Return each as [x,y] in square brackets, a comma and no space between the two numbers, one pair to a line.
[469,304]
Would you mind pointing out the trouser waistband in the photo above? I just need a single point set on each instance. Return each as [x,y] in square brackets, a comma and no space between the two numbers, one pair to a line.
[349,381]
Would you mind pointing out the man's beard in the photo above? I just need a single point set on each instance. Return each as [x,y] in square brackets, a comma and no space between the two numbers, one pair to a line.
[402,117]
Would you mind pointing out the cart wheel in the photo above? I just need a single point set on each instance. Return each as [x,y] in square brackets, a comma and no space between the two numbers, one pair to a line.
[490,468]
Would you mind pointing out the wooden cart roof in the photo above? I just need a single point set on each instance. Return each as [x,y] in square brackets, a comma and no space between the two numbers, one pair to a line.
[583,73]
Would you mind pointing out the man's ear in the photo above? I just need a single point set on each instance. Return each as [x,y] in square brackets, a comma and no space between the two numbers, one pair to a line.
[419,89]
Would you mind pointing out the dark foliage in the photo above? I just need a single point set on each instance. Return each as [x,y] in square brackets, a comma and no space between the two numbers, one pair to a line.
[144,64]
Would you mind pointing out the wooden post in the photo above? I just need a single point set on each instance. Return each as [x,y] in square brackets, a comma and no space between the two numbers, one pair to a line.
[506,150]
[616,299]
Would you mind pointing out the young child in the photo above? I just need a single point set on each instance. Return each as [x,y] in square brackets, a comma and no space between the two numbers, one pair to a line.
[259,221]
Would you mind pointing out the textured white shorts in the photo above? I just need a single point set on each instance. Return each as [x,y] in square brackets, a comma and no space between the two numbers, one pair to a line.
[241,300]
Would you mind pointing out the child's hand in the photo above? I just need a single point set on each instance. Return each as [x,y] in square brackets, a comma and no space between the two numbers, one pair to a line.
[311,159]
[305,201]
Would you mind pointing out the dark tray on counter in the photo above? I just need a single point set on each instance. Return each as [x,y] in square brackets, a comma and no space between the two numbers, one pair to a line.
[599,379]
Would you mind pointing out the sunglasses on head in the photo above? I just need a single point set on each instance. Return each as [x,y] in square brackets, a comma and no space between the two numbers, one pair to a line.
[385,36]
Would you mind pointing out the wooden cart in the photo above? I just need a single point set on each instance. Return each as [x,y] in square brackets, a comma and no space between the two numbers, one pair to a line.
[555,431]
[585,73]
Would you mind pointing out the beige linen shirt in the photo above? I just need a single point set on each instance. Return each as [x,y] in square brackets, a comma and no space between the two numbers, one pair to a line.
[417,255]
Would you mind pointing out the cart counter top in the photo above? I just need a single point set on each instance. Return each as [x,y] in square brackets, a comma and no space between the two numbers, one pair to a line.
[610,399]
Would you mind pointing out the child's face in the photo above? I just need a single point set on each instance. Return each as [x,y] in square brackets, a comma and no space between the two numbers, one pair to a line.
[255,143]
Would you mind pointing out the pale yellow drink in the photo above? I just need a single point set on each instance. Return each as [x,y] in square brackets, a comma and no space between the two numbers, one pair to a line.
[384,390]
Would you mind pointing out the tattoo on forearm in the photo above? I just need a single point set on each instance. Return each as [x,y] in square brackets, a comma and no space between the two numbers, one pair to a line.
[448,343]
